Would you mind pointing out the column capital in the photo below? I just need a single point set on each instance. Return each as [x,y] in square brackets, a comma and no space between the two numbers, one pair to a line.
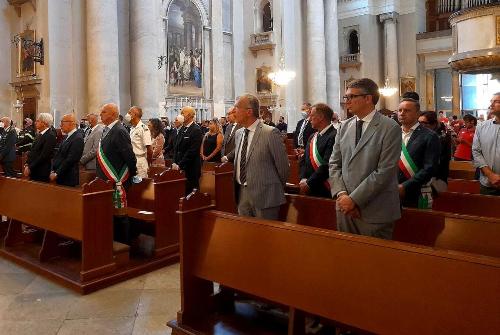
[390,16]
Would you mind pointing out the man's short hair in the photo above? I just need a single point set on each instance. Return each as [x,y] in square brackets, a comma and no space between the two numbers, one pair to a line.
[138,109]
[470,118]
[415,102]
[368,86]
[324,110]
[411,95]
[46,118]
[253,102]
[308,104]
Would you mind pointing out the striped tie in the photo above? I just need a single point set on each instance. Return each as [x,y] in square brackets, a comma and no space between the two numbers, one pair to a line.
[243,158]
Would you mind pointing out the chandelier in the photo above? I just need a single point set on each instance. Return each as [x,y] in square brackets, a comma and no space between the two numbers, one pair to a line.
[282,77]
[387,90]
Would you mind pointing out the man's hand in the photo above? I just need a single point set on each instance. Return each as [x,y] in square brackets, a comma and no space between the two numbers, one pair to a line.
[402,191]
[53,176]
[26,171]
[224,159]
[304,188]
[346,204]
[299,152]
[175,166]
[494,179]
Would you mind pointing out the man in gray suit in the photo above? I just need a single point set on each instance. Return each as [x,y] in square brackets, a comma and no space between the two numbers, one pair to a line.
[364,166]
[92,136]
[260,163]
[232,127]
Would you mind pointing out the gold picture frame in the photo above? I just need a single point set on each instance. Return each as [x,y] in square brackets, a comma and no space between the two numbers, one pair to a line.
[407,84]
[26,66]
[498,29]
[263,84]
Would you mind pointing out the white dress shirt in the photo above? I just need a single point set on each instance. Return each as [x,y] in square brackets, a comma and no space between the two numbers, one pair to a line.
[406,135]
[252,129]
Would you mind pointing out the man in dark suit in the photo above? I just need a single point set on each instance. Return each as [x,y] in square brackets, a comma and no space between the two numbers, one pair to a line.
[314,174]
[65,167]
[304,129]
[419,159]
[187,150]
[116,162]
[174,132]
[228,143]
[8,147]
[38,164]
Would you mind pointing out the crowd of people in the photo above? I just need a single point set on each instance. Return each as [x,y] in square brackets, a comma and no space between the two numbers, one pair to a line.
[370,163]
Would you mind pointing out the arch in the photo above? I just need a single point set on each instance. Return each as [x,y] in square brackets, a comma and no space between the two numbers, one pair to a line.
[267,17]
[197,3]
[353,42]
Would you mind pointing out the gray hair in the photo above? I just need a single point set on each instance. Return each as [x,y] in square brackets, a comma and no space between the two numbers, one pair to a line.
[254,103]
[180,118]
[46,118]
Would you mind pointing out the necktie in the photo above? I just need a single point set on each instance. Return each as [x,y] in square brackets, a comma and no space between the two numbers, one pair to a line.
[359,130]
[300,140]
[243,158]
[104,132]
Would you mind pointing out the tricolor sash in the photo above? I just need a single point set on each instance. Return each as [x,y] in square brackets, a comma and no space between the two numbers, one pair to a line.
[315,157]
[409,169]
[119,195]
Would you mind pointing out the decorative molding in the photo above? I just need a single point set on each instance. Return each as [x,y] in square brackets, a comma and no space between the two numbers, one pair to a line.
[262,41]
[474,12]
[354,8]
[391,16]
[498,29]
[476,61]
[18,3]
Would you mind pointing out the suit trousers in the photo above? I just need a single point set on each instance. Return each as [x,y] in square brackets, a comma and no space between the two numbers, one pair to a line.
[8,169]
[347,224]
[247,208]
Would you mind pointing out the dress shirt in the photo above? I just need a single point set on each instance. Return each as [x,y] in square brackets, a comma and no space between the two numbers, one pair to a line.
[44,131]
[325,129]
[486,148]
[252,129]
[366,120]
[406,135]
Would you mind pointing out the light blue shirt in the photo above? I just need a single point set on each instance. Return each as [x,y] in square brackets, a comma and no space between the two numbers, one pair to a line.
[486,148]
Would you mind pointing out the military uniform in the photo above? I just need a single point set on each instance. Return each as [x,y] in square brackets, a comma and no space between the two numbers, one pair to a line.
[140,136]
[25,139]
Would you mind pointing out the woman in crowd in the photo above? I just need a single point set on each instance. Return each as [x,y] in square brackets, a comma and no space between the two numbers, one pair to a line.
[212,142]
[464,140]
[156,128]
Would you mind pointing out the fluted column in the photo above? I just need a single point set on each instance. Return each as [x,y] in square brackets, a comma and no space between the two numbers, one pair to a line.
[102,53]
[332,61]
[391,56]
[218,62]
[143,57]
[316,69]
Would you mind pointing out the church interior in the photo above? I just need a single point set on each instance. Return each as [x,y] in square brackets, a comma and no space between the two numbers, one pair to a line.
[249,167]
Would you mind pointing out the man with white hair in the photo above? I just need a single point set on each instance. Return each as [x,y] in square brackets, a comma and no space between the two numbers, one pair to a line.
[38,165]
[169,145]
[8,146]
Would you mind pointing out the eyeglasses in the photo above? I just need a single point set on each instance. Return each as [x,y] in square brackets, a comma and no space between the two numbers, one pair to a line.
[349,97]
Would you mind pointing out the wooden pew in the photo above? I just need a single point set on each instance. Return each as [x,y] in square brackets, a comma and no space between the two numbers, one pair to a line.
[217,180]
[463,186]
[154,202]
[462,170]
[84,215]
[377,286]
[467,204]
[294,176]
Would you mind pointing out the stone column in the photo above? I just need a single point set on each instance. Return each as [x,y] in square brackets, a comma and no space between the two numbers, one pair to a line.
[455,92]
[102,53]
[391,59]
[240,49]
[218,61]
[143,57]
[316,62]
[332,61]
[7,97]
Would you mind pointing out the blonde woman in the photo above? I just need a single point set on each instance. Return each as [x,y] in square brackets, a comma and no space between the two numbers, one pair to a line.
[211,146]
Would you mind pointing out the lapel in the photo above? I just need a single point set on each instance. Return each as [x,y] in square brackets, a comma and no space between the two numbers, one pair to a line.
[237,141]
[414,136]
[365,137]
[255,138]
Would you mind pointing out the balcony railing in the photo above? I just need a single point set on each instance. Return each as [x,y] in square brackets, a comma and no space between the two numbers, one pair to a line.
[350,60]
[450,6]
[262,41]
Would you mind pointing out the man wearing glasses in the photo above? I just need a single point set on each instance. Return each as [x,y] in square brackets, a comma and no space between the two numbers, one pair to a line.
[486,150]
[364,166]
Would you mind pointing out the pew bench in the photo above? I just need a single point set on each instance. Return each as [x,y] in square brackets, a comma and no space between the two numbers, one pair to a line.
[467,204]
[462,170]
[217,181]
[463,186]
[372,285]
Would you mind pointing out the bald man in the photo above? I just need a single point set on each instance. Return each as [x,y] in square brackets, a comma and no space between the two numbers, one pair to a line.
[65,166]
[187,150]
[7,147]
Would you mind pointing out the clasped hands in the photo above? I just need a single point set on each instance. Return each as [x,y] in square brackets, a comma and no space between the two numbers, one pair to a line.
[348,206]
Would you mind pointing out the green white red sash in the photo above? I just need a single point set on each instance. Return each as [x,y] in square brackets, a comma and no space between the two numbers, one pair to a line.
[409,169]
[315,157]
[119,195]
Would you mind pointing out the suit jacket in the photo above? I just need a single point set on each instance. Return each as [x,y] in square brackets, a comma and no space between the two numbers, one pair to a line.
[316,179]
[39,158]
[308,131]
[187,150]
[66,161]
[424,149]
[117,147]
[228,143]
[91,145]
[8,145]
[267,166]
[368,172]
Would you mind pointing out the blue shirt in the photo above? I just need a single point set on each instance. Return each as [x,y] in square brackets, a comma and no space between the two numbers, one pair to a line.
[486,148]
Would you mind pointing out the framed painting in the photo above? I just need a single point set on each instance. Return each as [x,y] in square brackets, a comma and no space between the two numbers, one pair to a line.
[263,83]
[26,65]
[406,84]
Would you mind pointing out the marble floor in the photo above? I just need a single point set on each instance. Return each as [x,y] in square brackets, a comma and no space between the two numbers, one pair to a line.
[30,304]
